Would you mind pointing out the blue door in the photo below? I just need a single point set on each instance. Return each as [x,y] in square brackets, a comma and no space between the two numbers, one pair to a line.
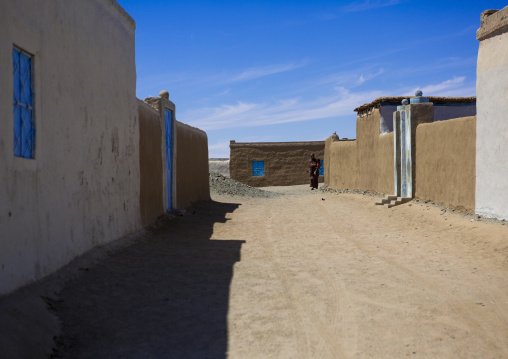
[168,124]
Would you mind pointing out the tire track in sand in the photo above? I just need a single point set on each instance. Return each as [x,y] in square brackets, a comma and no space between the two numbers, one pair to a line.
[327,339]
[455,303]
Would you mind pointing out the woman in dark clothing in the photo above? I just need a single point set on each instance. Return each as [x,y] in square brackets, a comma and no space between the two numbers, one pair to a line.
[314,172]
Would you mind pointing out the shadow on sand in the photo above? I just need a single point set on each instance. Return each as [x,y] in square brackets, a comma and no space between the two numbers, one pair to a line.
[166,296]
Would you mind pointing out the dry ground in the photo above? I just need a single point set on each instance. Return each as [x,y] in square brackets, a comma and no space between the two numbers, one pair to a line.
[296,276]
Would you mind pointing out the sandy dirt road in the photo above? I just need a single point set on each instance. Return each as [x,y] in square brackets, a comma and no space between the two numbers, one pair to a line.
[296,277]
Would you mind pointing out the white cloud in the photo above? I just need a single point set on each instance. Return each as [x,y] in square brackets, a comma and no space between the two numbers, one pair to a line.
[369,4]
[223,93]
[349,79]
[466,91]
[243,114]
[445,85]
[369,76]
[153,83]
[219,145]
[219,150]
[257,72]
[455,87]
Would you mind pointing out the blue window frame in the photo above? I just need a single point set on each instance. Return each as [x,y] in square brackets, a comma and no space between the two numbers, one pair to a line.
[24,127]
[258,168]
[322,168]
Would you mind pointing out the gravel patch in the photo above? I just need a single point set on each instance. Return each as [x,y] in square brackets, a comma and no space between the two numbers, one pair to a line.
[222,185]
[355,191]
[219,166]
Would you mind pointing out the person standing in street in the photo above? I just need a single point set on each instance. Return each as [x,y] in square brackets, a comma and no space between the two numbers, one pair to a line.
[314,165]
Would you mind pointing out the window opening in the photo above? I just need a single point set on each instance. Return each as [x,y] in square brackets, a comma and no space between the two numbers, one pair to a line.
[24,127]
[258,168]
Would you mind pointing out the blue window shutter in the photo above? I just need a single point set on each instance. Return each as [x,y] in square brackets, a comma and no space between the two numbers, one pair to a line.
[258,168]
[322,168]
[24,128]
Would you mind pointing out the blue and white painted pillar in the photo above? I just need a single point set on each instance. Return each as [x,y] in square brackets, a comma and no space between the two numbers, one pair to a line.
[419,110]
[397,118]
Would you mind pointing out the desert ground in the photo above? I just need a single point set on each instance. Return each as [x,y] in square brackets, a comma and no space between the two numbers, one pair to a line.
[308,274]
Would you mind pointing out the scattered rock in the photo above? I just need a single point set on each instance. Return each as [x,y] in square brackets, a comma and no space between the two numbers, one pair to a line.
[346,190]
[220,184]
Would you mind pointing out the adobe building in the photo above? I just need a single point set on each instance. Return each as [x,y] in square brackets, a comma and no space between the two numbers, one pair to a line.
[173,160]
[492,124]
[82,160]
[441,150]
[445,108]
[460,162]
[261,164]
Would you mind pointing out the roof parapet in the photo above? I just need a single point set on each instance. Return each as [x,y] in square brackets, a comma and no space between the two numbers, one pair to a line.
[492,21]
[114,4]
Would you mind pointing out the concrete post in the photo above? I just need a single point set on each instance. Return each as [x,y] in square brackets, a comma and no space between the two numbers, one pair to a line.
[396,149]
[419,110]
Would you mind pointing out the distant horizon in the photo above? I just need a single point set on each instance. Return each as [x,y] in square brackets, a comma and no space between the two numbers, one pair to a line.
[272,71]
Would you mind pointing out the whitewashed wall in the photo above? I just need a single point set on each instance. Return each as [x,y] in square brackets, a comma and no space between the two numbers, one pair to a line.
[82,188]
[492,117]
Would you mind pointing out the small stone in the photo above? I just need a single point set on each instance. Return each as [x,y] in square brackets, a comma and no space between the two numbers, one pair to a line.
[164,94]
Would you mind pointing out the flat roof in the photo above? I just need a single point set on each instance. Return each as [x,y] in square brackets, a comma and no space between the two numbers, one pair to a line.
[297,143]
[398,100]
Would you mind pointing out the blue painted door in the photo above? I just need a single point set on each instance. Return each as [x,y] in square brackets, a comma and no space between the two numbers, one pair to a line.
[168,124]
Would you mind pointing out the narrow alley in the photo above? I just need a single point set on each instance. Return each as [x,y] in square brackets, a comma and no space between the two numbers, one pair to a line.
[304,275]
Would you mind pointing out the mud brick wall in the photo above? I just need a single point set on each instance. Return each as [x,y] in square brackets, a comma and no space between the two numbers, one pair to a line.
[285,163]
[365,164]
[190,161]
[150,163]
[343,170]
[444,165]
[445,162]
[191,165]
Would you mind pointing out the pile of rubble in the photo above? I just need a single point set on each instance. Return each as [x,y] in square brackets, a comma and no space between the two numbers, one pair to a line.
[222,185]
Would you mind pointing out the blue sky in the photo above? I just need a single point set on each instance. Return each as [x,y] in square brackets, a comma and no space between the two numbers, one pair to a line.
[263,71]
